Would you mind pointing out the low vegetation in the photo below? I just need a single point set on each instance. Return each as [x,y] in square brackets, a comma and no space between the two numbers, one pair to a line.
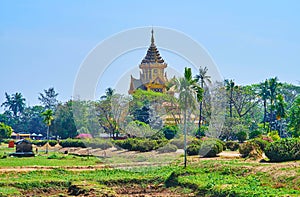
[202,178]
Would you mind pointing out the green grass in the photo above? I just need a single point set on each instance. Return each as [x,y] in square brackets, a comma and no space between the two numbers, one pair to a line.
[235,177]
[205,178]
[52,159]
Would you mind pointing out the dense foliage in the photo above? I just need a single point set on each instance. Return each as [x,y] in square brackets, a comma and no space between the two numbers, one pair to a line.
[231,145]
[284,150]
[142,145]
[205,147]
[5,131]
[251,150]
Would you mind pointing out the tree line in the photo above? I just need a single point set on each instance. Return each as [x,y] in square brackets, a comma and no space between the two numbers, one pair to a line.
[264,107]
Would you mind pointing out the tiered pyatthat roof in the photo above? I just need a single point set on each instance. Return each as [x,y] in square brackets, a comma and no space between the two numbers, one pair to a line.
[152,55]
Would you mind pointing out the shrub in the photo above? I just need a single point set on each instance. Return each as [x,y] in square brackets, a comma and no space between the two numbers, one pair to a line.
[274,135]
[193,149]
[261,143]
[168,148]
[72,143]
[99,143]
[206,147]
[201,132]
[52,142]
[145,145]
[241,136]
[284,150]
[250,149]
[39,142]
[170,131]
[179,142]
[125,144]
[267,138]
[255,134]
[231,145]
[142,145]
[210,148]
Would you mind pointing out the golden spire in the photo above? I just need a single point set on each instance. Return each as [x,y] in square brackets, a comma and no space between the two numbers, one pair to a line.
[152,36]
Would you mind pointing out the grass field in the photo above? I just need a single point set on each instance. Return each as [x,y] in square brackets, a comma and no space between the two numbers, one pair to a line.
[202,177]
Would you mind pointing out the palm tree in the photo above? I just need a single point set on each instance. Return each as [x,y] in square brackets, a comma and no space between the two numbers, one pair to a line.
[264,94]
[15,103]
[202,77]
[189,93]
[280,111]
[273,89]
[109,92]
[48,117]
[230,86]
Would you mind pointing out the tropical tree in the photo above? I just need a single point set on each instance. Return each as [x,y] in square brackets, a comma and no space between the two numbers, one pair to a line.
[49,99]
[294,116]
[230,87]
[48,117]
[189,94]
[5,131]
[273,89]
[64,124]
[202,78]
[264,94]
[15,103]
[280,111]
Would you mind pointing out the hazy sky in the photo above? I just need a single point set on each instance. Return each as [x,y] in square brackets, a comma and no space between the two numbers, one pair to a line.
[43,43]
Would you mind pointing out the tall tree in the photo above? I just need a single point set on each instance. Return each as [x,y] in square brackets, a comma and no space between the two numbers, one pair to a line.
[294,116]
[203,78]
[5,131]
[15,103]
[49,99]
[64,124]
[189,93]
[273,89]
[230,87]
[48,117]
[280,111]
[264,94]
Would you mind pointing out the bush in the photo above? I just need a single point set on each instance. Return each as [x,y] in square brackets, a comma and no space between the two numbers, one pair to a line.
[284,150]
[142,145]
[168,148]
[206,147]
[241,136]
[231,145]
[201,132]
[179,142]
[261,143]
[72,143]
[255,134]
[210,148]
[170,131]
[52,142]
[250,149]
[99,143]
[39,142]
[193,149]
[145,145]
[274,135]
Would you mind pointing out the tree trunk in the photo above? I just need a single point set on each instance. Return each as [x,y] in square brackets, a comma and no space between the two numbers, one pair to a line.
[47,140]
[200,116]
[265,114]
[184,132]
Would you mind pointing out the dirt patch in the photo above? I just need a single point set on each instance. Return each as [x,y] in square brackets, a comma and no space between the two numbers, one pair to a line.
[147,191]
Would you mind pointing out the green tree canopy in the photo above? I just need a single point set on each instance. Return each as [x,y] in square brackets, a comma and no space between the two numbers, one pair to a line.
[5,131]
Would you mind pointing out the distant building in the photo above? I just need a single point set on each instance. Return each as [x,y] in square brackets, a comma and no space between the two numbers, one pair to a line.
[152,75]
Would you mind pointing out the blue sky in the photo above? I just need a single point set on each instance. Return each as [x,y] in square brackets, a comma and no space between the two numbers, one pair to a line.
[43,43]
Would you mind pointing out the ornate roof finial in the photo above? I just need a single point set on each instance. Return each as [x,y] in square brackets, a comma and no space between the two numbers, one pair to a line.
[152,36]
